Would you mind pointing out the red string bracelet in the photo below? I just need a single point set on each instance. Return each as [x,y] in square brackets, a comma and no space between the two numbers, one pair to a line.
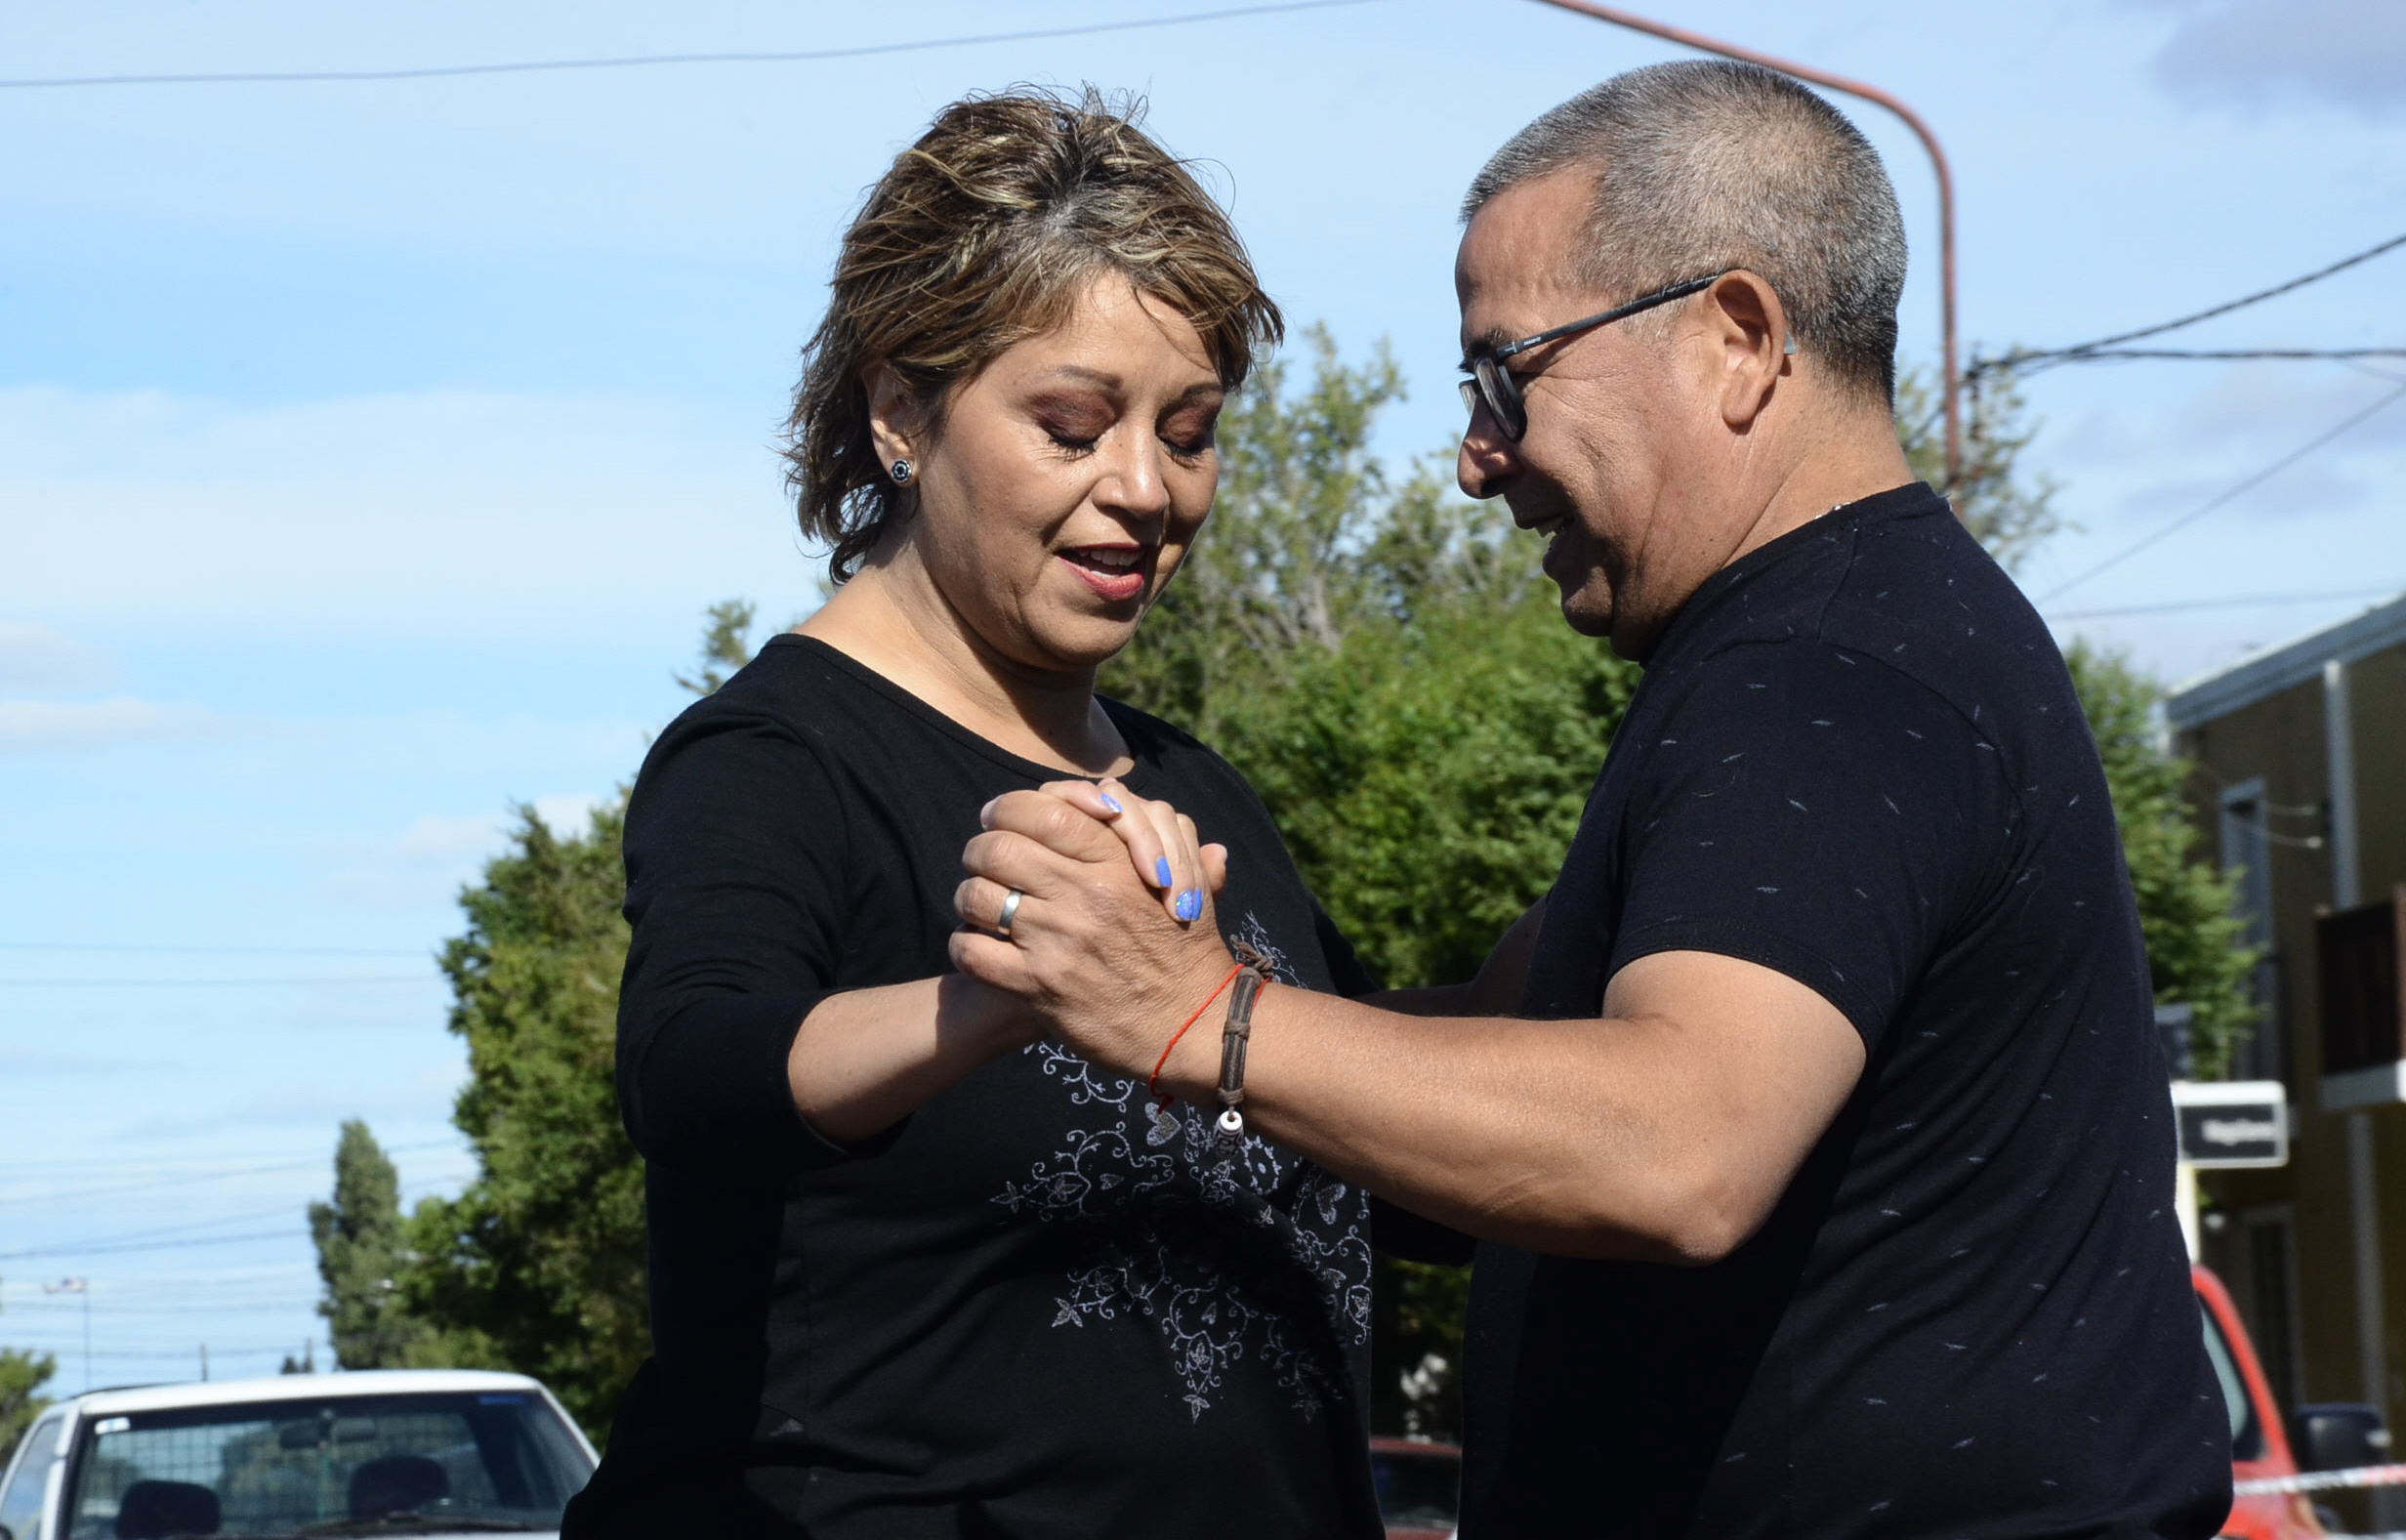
[1152,1082]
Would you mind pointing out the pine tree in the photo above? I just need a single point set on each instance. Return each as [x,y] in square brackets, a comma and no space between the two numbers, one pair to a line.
[359,1256]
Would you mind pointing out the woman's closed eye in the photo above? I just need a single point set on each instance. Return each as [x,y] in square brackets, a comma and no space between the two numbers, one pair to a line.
[1189,436]
[1074,426]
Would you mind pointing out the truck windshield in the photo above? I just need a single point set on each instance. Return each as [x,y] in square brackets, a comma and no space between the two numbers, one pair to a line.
[387,1464]
[2247,1436]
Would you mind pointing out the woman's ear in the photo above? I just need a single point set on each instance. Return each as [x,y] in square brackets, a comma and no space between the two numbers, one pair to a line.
[894,418]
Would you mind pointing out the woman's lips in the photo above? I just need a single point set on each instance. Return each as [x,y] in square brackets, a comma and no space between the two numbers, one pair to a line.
[1114,573]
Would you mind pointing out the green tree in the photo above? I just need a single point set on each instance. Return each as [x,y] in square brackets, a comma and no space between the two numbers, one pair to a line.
[538,1265]
[2010,510]
[23,1375]
[1381,660]
[360,1257]
[727,627]
[1385,664]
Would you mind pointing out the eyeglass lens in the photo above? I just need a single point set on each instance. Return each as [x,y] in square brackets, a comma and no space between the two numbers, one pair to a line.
[1491,385]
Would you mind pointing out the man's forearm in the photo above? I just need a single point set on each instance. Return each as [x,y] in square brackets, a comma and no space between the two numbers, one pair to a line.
[1528,1133]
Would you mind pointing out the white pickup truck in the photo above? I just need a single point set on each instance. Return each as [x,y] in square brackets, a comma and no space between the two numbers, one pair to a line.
[425,1452]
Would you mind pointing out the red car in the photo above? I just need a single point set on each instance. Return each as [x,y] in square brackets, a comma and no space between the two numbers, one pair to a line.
[2258,1442]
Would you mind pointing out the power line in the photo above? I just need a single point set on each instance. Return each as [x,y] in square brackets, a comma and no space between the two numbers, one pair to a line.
[2247,483]
[109,1242]
[114,1310]
[214,1176]
[2237,601]
[531,67]
[208,951]
[2108,355]
[206,983]
[153,1245]
[98,1241]
[2022,358]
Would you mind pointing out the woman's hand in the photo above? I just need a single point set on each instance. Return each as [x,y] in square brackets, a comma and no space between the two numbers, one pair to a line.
[1162,843]
[1091,949]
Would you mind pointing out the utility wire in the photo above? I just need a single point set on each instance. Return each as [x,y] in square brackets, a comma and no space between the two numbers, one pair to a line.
[209,983]
[117,1311]
[212,1176]
[2022,358]
[160,1231]
[252,1217]
[2095,355]
[207,951]
[2237,602]
[2245,484]
[289,1234]
[531,67]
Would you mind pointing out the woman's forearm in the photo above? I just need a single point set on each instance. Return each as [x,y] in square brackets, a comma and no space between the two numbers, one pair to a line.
[865,1059]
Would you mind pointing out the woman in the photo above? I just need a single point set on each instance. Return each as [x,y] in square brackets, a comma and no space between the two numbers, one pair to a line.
[915,1273]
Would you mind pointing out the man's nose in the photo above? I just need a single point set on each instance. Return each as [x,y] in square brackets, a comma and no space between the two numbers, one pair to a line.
[1487,460]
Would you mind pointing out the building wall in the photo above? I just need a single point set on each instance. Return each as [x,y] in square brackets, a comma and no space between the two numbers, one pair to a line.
[2281,738]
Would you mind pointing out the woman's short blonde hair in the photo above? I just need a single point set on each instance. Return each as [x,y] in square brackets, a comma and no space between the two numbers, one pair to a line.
[983,233]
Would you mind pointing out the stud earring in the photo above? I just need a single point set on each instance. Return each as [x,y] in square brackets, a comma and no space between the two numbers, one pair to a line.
[902,473]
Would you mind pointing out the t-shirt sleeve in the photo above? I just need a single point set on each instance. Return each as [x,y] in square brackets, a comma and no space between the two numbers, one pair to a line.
[1815,811]
[736,855]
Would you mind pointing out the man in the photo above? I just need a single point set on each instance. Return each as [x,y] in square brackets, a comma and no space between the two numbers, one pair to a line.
[1823,1173]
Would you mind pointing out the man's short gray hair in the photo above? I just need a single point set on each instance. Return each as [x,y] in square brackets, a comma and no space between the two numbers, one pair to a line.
[1708,165]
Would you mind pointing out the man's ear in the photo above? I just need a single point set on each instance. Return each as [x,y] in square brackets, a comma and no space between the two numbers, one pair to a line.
[1748,332]
[896,422]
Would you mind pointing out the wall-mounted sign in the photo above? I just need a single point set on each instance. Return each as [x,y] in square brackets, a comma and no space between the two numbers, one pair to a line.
[2232,1123]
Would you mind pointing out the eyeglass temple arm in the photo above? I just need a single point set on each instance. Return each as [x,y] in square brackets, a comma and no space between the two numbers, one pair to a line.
[1677,291]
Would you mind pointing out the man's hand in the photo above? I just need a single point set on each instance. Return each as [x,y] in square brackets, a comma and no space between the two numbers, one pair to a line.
[1090,948]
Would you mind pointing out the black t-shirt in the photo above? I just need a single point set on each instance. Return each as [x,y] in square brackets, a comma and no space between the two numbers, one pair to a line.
[1030,1309]
[1858,759]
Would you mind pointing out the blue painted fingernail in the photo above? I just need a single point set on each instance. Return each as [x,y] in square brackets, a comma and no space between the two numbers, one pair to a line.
[1161,870]
[1111,801]
[1190,904]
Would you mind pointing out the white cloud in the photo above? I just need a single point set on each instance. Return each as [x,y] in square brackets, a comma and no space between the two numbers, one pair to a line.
[450,514]
[569,815]
[2253,54]
[36,657]
[427,862]
[55,725]
[24,1059]
[444,840]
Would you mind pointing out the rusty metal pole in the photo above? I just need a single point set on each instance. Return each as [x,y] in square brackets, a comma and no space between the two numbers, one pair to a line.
[1953,388]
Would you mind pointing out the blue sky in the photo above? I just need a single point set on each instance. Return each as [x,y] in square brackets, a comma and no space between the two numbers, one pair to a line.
[369,451]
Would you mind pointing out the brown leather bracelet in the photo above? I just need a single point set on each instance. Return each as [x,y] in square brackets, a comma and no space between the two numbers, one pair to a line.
[1252,976]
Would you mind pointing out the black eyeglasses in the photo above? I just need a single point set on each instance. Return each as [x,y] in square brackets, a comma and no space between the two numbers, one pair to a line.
[1495,388]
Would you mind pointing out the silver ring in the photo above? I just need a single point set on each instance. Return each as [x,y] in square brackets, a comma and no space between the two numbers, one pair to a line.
[1011,912]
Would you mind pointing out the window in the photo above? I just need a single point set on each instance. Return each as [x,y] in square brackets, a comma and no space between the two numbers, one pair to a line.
[2269,1304]
[450,1460]
[2362,1003]
[2247,859]
[20,1503]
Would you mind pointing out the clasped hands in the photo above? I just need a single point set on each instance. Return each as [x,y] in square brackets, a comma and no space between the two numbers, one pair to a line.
[1115,939]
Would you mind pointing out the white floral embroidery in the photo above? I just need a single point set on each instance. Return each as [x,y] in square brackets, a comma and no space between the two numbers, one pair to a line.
[1229,1247]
